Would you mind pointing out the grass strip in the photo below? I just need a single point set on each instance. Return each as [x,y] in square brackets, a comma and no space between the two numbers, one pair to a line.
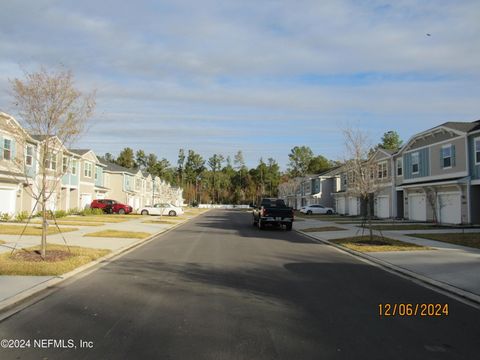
[99,218]
[32,230]
[405,227]
[323,228]
[63,261]
[465,239]
[376,244]
[119,234]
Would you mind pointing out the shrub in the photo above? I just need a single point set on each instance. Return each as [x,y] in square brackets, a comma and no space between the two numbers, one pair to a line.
[74,211]
[90,211]
[60,213]
[5,217]
[21,216]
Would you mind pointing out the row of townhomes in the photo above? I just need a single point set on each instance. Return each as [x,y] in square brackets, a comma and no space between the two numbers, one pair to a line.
[435,177]
[84,176]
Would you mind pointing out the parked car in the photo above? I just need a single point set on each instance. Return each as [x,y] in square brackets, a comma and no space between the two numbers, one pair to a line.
[162,209]
[316,209]
[111,206]
[274,212]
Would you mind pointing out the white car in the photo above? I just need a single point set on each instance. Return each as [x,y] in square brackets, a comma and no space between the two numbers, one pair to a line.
[162,209]
[316,209]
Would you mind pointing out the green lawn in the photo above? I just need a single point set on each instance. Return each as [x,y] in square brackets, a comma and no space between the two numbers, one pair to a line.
[377,244]
[59,260]
[464,239]
[323,228]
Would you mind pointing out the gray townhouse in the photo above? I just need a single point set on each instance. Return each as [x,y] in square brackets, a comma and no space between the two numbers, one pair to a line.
[437,174]
[313,189]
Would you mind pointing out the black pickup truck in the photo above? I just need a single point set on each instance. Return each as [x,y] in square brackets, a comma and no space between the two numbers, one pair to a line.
[273,211]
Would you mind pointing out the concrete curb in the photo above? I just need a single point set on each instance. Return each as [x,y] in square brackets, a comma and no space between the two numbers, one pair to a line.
[7,306]
[470,298]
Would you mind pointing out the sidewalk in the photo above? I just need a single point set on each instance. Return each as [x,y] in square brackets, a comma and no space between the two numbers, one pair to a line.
[451,267]
[14,288]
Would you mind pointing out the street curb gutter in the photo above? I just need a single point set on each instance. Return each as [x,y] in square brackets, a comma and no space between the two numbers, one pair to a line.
[8,306]
[438,285]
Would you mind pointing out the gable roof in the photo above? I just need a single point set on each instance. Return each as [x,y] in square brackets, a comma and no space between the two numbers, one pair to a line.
[463,126]
[109,166]
[80,151]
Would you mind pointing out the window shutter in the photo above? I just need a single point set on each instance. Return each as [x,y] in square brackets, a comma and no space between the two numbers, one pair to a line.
[441,158]
[453,156]
[13,150]
[1,147]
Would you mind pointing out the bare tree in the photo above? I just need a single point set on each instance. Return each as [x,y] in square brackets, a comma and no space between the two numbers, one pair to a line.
[361,174]
[55,113]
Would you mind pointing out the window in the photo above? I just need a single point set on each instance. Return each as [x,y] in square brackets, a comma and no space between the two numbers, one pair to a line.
[65,164]
[74,167]
[138,184]
[87,172]
[399,167]
[477,150]
[382,170]
[29,155]
[415,163]
[96,175]
[446,156]
[7,149]
[51,161]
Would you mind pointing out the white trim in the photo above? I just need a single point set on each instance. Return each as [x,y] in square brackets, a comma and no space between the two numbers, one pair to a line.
[434,144]
[432,130]
[436,177]
[447,146]
[475,149]
[417,163]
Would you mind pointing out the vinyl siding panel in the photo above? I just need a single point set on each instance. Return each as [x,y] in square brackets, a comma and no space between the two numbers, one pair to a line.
[423,164]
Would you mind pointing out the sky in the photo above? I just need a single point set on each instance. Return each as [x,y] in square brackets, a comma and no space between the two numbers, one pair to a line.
[257,76]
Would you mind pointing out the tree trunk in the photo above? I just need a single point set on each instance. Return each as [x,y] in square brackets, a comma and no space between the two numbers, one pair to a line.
[43,246]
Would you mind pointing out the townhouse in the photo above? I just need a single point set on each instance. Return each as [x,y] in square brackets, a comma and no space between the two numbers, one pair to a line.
[311,189]
[75,177]
[436,175]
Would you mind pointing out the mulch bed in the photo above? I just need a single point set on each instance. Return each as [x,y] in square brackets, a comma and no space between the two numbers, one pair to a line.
[50,256]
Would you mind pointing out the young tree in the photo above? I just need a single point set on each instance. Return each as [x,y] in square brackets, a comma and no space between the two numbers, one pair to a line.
[52,107]
[361,176]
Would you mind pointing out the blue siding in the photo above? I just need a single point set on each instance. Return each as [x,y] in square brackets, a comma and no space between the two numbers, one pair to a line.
[423,164]
[474,169]
[99,179]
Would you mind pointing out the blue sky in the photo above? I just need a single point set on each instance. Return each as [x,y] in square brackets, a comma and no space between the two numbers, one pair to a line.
[256,76]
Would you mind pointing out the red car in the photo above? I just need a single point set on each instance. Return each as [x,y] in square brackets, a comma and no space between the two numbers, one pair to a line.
[111,206]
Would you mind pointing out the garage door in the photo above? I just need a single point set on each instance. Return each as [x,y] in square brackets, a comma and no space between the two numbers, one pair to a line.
[341,205]
[85,200]
[417,207]
[352,206]
[449,208]
[383,207]
[7,201]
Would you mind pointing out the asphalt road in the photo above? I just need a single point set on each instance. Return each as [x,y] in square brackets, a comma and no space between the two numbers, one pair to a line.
[218,288]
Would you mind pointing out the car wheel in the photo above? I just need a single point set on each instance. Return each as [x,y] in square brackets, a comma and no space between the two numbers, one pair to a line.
[121,211]
[309,212]
[144,212]
[172,213]
[288,227]
[329,212]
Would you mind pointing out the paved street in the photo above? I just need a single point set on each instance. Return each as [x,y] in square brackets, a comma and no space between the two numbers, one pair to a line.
[218,288]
